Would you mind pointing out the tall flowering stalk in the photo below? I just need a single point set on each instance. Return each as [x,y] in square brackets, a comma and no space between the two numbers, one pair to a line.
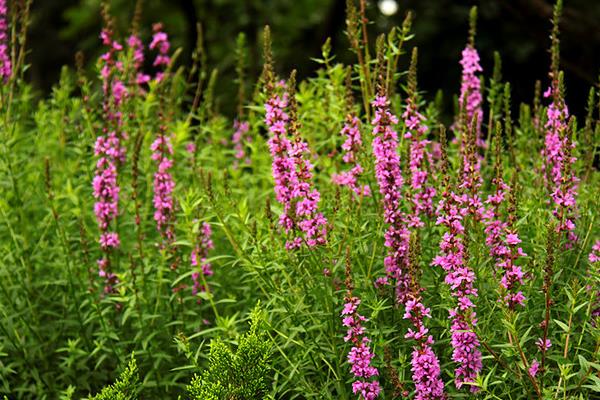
[558,145]
[162,150]
[389,178]
[240,136]
[291,169]
[471,180]
[306,197]
[241,128]
[361,355]
[5,61]
[501,236]
[137,47]
[199,258]
[160,42]
[559,164]
[471,100]
[469,125]
[351,146]
[420,192]
[282,166]
[459,278]
[425,364]
[111,153]
[276,119]
[513,276]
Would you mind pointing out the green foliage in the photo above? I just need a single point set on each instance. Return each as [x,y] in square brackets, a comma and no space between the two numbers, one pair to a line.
[240,375]
[126,387]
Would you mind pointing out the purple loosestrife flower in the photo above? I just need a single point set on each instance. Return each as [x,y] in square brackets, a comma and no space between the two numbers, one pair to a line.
[470,99]
[240,136]
[352,147]
[389,178]
[513,274]
[136,45]
[282,165]
[190,147]
[502,240]
[421,193]
[163,186]
[594,256]
[199,258]
[460,279]
[360,355]
[306,198]
[425,364]
[162,150]
[292,173]
[5,62]
[543,345]
[534,368]
[160,42]
[111,153]
[558,163]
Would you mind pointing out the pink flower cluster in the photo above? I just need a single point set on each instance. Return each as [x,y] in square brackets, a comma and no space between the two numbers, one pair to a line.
[425,364]
[160,41]
[112,85]
[5,62]
[163,186]
[558,165]
[389,178]
[534,368]
[594,256]
[543,344]
[513,274]
[162,149]
[470,90]
[460,279]
[421,194]
[310,221]
[292,173]
[110,153]
[199,258]
[282,166]
[502,243]
[360,355]
[351,147]
[136,45]
[240,136]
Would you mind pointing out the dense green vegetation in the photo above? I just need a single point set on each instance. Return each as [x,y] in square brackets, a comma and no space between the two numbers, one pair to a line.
[152,247]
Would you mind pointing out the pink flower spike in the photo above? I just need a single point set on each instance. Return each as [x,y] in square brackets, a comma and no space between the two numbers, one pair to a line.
[5,59]
[360,355]
[352,147]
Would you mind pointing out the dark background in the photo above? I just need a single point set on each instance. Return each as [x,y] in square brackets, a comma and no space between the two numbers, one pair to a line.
[518,29]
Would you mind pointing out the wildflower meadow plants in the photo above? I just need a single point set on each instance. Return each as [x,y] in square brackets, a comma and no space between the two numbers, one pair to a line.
[342,237]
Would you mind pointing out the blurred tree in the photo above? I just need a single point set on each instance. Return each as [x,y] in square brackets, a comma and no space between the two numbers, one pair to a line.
[517,28]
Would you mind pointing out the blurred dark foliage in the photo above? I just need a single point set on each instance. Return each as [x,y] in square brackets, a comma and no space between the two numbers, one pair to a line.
[518,29]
